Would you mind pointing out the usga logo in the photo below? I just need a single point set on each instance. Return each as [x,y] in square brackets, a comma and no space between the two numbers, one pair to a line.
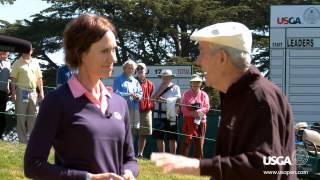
[288,20]
[276,160]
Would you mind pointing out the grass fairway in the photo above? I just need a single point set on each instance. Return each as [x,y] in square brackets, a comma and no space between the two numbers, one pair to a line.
[11,165]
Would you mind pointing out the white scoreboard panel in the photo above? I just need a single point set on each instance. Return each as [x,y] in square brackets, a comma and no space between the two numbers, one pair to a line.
[295,57]
[183,75]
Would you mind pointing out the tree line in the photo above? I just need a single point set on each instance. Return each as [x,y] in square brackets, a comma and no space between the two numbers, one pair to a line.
[150,31]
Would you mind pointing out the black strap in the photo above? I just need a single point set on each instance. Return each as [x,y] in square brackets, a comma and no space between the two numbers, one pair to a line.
[166,90]
[160,104]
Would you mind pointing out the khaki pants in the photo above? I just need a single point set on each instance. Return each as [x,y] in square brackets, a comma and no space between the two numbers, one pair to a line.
[146,123]
[26,114]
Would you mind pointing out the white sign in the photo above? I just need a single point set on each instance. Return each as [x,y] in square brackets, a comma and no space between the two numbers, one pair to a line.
[183,75]
[295,57]
[295,16]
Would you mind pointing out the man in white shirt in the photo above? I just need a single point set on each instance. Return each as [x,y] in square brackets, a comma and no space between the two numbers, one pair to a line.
[165,93]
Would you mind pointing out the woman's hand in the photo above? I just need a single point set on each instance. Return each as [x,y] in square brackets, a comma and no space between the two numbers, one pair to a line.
[106,176]
[128,175]
[194,114]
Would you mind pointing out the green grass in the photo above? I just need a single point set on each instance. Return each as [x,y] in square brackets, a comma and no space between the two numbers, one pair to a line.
[11,165]
[11,156]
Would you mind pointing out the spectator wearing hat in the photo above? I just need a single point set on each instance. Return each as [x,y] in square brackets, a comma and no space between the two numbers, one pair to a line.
[129,88]
[145,107]
[256,118]
[26,77]
[165,116]
[195,106]
[5,68]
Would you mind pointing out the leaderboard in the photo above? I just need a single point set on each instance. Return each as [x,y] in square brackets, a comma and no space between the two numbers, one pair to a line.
[295,57]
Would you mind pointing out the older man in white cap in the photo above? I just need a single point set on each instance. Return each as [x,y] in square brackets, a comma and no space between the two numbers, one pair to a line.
[256,119]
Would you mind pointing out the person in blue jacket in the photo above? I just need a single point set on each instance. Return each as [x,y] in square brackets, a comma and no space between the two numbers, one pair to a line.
[128,87]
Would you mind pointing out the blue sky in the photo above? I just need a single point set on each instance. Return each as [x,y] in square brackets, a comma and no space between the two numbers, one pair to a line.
[23,9]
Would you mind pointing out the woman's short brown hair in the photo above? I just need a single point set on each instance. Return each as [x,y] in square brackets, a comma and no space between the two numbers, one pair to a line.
[81,33]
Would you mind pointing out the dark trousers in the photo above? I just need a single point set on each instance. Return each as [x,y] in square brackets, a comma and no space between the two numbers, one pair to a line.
[3,105]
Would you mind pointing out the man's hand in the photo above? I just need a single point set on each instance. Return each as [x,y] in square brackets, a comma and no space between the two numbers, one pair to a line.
[176,163]
[106,176]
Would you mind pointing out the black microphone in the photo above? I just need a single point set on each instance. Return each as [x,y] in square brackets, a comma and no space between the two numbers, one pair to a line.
[12,44]
[108,114]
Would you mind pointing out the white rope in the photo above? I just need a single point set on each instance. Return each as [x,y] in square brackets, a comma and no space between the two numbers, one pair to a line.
[155,100]
[181,134]
[172,132]
[49,87]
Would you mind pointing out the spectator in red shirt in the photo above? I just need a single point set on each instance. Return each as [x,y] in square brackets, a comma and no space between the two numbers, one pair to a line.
[145,107]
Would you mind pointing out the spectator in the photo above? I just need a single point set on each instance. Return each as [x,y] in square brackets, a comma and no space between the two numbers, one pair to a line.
[64,73]
[5,68]
[195,106]
[26,76]
[145,108]
[128,87]
[87,125]
[166,94]
[256,118]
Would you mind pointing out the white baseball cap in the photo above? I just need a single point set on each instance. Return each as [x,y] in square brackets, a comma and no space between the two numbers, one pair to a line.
[143,65]
[231,34]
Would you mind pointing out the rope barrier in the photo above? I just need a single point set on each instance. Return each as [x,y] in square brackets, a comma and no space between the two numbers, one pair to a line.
[180,104]
[155,129]
[151,99]
[181,134]
[49,87]
[12,114]
[155,100]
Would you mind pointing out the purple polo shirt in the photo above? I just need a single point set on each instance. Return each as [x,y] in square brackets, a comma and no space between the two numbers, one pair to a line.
[84,139]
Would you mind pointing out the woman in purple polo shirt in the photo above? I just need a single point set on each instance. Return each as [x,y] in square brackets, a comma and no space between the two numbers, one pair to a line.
[85,123]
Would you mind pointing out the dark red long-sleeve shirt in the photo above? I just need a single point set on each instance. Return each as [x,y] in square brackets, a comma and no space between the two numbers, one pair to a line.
[256,121]
[146,104]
